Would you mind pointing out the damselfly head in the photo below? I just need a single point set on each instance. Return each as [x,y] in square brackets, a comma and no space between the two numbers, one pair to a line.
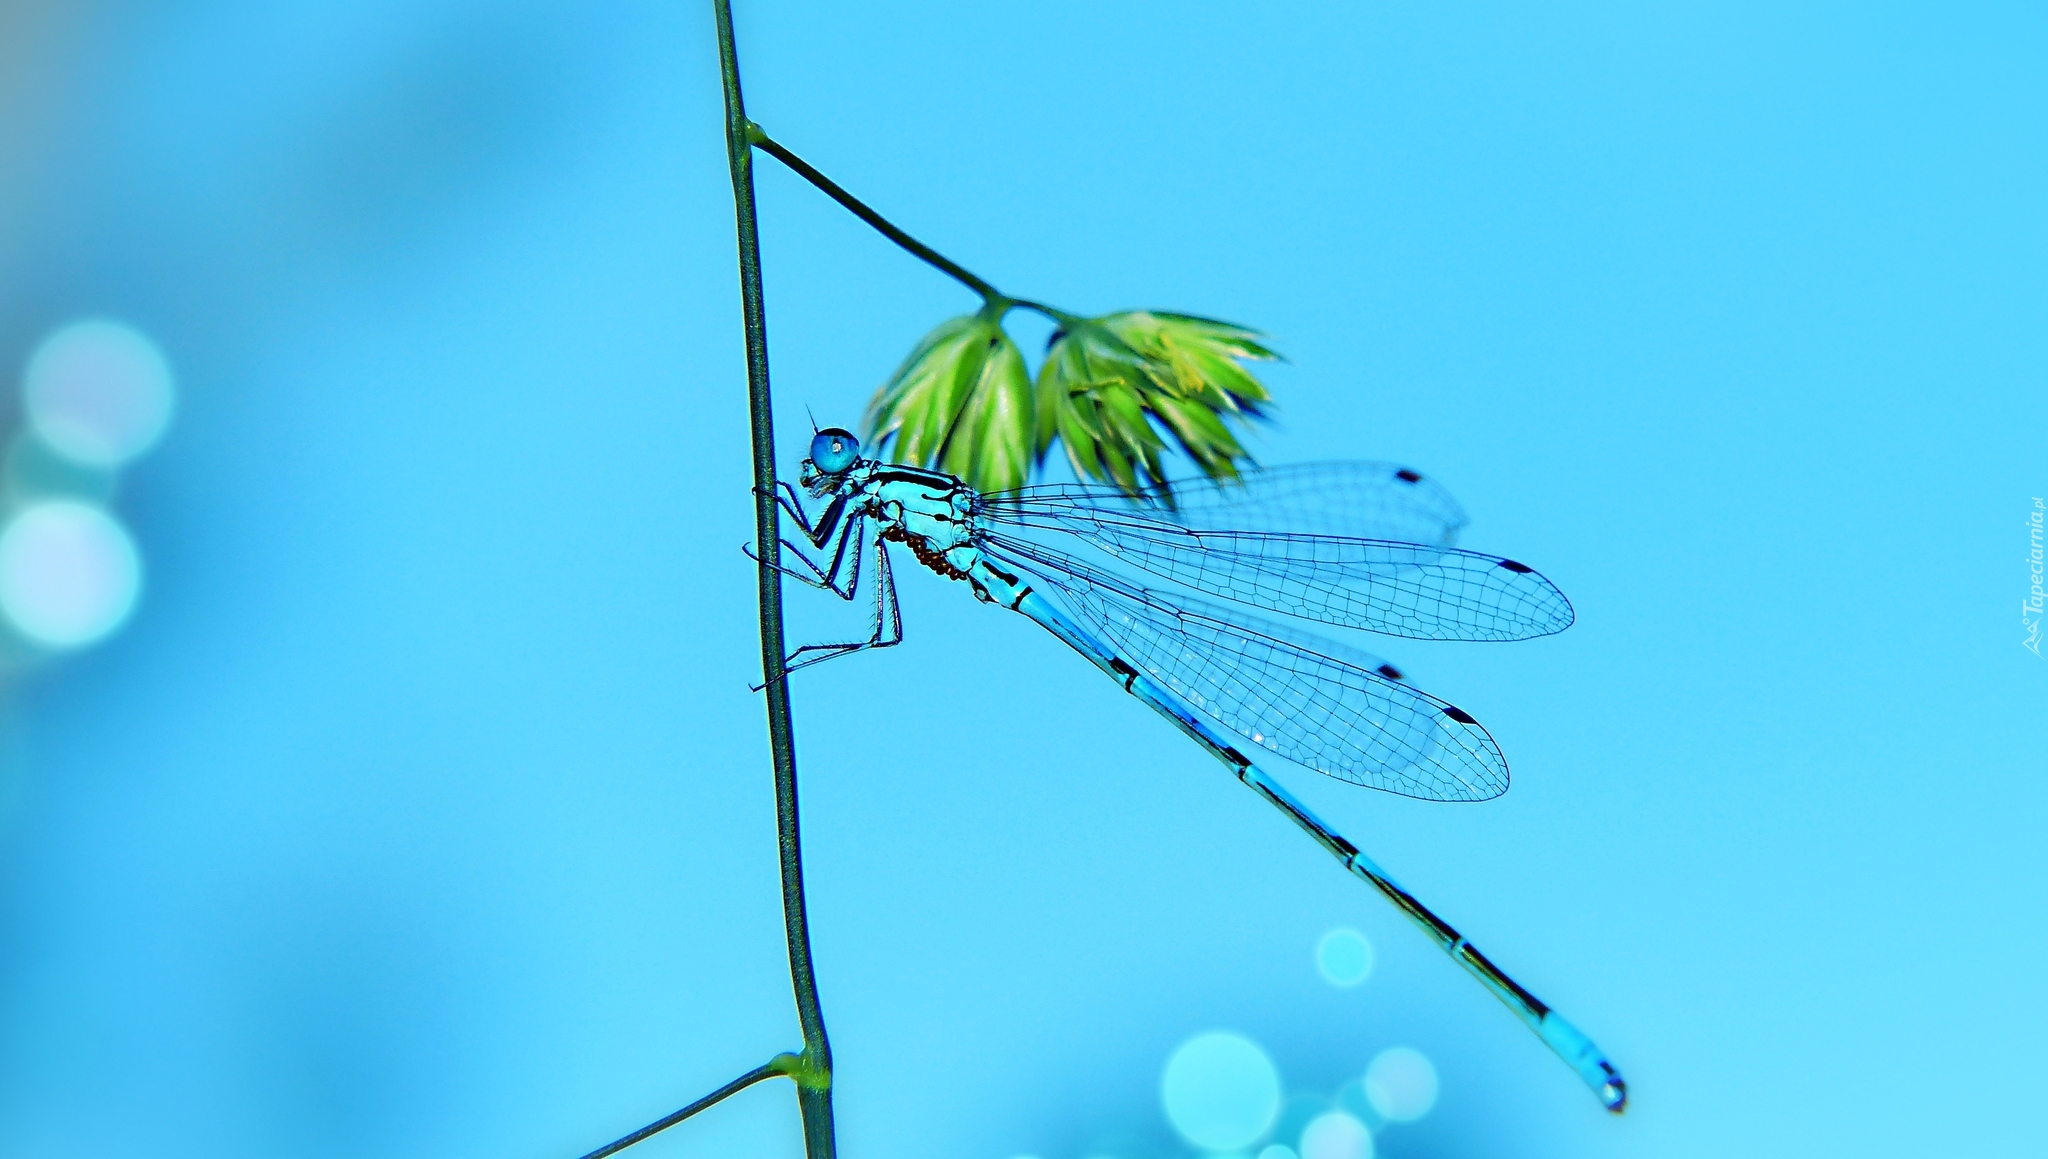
[834,451]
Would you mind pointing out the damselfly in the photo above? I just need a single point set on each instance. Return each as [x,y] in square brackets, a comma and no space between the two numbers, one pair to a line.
[1364,545]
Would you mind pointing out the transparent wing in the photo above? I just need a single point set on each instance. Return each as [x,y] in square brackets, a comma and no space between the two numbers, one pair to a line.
[1314,702]
[1400,589]
[1357,500]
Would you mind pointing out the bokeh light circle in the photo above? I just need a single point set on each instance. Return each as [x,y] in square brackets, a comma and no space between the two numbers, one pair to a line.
[1401,1084]
[68,573]
[1277,1151]
[1335,1135]
[1344,957]
[1220,1090]
[97,392]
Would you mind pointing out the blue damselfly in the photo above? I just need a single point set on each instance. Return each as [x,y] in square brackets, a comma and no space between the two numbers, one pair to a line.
[1358,545]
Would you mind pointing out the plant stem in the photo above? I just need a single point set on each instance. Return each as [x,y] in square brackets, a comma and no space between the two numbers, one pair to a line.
[659,1125]
[814,1088]
[931,257]
[1059,316]
[883,225]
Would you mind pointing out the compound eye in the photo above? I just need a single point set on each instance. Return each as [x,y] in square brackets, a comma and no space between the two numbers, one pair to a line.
[835,451]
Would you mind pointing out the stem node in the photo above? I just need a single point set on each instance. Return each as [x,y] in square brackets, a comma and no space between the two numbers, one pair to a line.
[803,1069]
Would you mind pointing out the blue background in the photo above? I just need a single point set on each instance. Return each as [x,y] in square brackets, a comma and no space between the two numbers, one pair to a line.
[424,810]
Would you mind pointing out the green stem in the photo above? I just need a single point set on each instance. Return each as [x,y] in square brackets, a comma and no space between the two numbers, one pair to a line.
[995,299]
[814,1098]
[1059,316]
[883,225]
[659,1125]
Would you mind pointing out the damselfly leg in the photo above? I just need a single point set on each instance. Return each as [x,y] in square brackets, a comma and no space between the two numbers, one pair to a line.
[792,505]
[824,578]
[847,540]
[888,619]
[829,529]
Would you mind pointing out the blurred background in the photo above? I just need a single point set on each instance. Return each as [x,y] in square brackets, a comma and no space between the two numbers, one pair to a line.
[380,772]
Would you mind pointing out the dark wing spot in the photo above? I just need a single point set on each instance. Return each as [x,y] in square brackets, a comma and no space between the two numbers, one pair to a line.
[1054,340]
[1390,672]
[1458,714]
[1407,476]
[1517,568]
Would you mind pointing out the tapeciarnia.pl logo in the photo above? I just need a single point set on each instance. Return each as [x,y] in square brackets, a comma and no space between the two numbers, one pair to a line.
[2030,611]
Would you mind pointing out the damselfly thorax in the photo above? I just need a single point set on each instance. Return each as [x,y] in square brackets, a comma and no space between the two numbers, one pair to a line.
[929,512]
